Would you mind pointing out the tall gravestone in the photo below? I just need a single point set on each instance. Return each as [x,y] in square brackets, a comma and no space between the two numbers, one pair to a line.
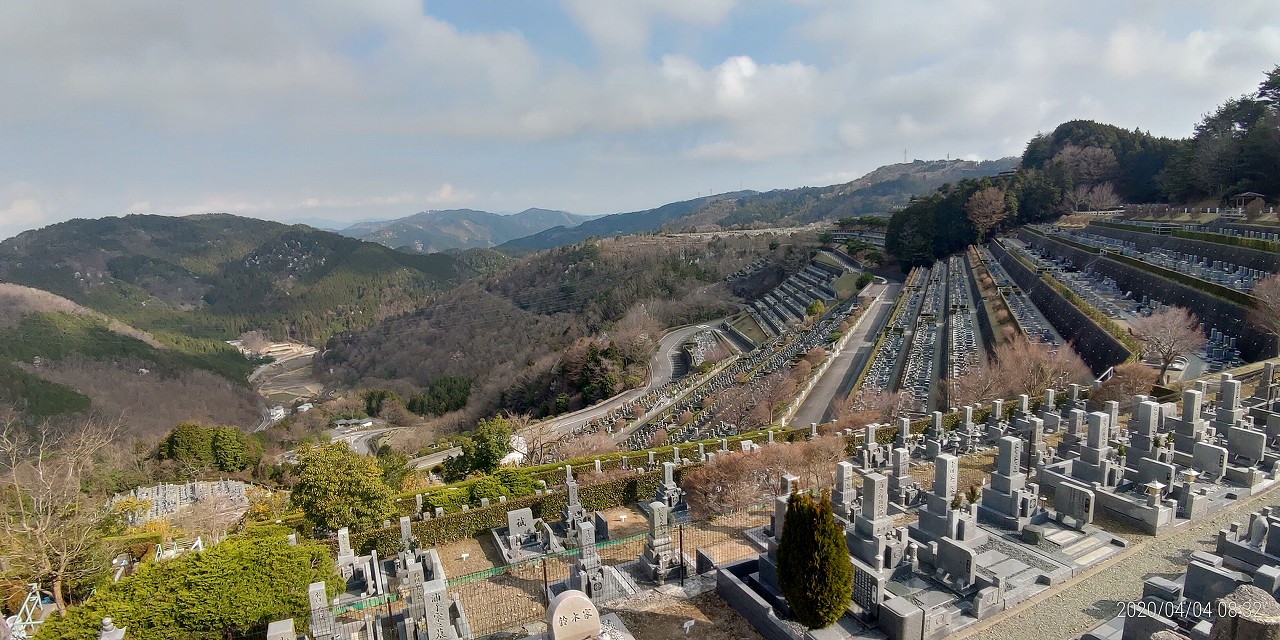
[658,557]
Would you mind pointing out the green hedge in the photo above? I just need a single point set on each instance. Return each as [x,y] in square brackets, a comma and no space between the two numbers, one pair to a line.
[1226,293]
[468,524]
[138,545]
[1099,318]
[451,497]
[1235,241]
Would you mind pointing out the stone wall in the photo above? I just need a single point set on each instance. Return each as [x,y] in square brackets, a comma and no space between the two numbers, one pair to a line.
[1243,256]
[1099,349]
[984,321]
[1214,312]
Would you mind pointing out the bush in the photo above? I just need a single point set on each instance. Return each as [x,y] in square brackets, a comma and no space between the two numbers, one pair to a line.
[814,571]
[487,487]
[229,590]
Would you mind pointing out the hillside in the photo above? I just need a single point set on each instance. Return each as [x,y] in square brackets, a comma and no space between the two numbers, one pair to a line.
[432,231]
[215,276]
[57,357]
[878,192]
[518,337]
[614,225]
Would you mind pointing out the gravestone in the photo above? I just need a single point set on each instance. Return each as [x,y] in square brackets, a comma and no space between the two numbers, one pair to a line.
[323,626]
[282,630]
[1075,501]
[344,544]
[658,549]
[843,498]
[520,525]
[406,534]
[572,616]
[1210,460]
[588,575]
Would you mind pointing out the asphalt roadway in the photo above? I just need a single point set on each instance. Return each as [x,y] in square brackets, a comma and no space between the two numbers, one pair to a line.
[837,381]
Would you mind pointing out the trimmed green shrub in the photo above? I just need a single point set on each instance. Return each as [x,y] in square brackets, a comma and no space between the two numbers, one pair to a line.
[814,571]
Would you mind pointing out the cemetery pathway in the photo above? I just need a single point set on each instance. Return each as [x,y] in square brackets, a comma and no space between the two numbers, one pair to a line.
[837,381]
[1086,602]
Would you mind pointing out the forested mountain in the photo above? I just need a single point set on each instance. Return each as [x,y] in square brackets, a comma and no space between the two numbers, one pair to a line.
[215,276]
[59,358]
[615,224]
[880,191]
[1084,164]
[432,231]
[577,321]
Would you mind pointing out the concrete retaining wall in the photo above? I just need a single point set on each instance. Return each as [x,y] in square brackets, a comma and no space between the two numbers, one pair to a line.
[1099,349]
[1243,256]
[731,586]
[1210,309]
[984,321]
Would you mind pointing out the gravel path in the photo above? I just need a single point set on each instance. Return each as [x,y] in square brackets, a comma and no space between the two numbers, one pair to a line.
[1087,601]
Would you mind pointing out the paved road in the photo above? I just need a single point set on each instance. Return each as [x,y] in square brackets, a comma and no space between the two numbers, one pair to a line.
[426,462]
[660,371]
[838,379]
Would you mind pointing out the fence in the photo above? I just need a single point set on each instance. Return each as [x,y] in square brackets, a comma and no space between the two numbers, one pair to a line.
[506,598]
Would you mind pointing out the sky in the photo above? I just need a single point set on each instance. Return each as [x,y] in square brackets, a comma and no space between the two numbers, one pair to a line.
[343,111]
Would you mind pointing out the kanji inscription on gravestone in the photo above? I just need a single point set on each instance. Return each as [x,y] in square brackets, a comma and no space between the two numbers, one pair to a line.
[572,616]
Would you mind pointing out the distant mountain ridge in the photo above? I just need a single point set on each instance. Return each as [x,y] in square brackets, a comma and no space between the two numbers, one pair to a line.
[877,192]
[432,231]
[615,224]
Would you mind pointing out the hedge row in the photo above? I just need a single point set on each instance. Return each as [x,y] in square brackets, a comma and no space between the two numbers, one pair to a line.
[451,497]
[468,524]
[1226,293]
[1235,241]
[1099,318]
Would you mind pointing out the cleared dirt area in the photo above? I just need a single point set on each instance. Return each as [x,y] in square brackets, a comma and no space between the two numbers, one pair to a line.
[662,617]
[289,378]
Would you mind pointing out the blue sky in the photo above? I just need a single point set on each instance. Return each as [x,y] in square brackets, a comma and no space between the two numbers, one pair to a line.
[381,108]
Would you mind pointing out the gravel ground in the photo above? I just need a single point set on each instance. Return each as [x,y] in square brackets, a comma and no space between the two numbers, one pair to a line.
[1088,601]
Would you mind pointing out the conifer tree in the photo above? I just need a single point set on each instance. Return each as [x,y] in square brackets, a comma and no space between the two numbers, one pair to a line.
[814,571]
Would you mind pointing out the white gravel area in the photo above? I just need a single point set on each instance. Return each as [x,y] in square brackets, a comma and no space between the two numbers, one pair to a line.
[1095,597]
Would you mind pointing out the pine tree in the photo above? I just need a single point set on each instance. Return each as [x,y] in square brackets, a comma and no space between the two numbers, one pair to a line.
[814,571]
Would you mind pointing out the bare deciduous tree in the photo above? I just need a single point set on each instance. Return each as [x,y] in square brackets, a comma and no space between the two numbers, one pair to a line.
[986,209]
[1023,367]
[1076,196]
[1127,381]
[1103,197]
[1266,311]
[1167,334]
[1086,165]
[50,528]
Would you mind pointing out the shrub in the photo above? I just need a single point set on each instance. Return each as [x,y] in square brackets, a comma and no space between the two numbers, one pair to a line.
[814,571]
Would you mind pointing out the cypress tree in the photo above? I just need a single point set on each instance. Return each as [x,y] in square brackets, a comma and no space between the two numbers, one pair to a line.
[814,571]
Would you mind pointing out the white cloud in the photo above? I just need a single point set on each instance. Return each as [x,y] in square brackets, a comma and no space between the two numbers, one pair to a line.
[355,108]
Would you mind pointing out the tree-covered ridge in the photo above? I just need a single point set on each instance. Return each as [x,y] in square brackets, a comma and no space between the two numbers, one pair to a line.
[216,276]
[1084,164]
[41,340]
[525,336]
[877,192]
